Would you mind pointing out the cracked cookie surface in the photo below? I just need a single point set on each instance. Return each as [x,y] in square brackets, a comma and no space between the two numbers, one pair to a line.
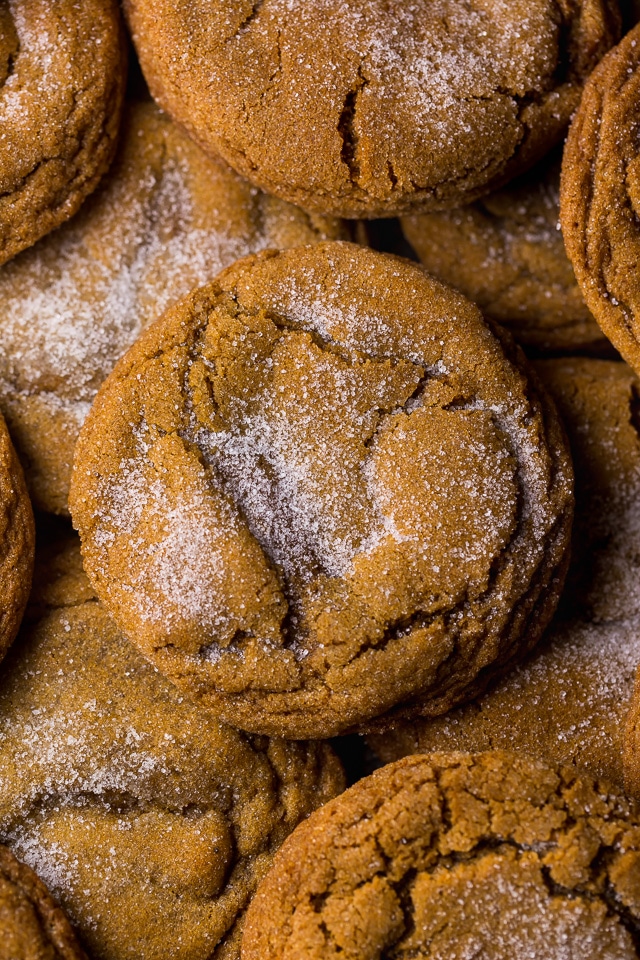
[17,541]
[505,252]
[600,196]
[62,78]
[318,489]
[150,822]
[32,925]
[166,219]
[457,855]
[569,701]
[488,86]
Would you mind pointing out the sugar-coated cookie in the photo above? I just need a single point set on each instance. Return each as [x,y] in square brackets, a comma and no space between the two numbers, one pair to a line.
[505,252]
[62,78]
[569,701]
[488,855]
[318,489]
[364,108]
[149,821]
[165,220]
[600,196]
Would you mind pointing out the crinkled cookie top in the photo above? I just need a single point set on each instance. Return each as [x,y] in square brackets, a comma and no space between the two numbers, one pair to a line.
[318,488]
[372,108]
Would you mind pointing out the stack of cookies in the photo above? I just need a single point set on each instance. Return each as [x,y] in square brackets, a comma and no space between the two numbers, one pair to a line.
[289,335]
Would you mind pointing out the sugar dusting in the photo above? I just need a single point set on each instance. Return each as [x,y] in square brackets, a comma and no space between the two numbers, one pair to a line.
[75,312]
[181,573]
[508,914]
[440,62]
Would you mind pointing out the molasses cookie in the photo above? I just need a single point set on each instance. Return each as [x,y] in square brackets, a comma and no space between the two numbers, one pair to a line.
[32,926]
[600,196]
[62,78]
[149,821]
[455,855]
[568,702]
[317,489]
[505,252]
[17,541]
[166,220]
[367,109]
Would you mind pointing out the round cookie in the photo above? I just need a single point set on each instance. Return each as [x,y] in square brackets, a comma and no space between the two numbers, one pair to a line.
[166,219]
[600,196]
[505,252]
[17,541]
[318,489]
[407,106]
[149,821]
[569,701]
[31,924]
[456,855]
[62,79]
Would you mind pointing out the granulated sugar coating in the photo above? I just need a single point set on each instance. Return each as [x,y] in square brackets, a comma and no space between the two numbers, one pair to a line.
[505,252]
[150,822]
[317,489]
[570,700]
[62,79]
[166,220]
[407,106]
[486,856]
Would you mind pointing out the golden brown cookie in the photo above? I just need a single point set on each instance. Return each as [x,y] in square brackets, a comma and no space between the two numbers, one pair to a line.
[455,855]
[600,196]
[62,78]
[149,821]
[165,220]
[568,703]
[368,109]
[17,540]
[32,925]
[505,252]
[318,489]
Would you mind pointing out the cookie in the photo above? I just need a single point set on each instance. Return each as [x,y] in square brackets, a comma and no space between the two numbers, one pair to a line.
[31,924]
[407,106]
[149,821]
[318,488]
[166,220]
[568,703]
[505,252]
[600,196]
[62,79]
[455,855]
[17,541]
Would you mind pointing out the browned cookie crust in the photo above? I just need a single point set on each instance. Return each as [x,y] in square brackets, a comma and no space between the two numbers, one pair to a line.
[600,196]
[62,76]
[456,855]
[32,925]
[150,822]
[372,108]
[569,701]
[505,252]
[165,220]
[17,541]
[317,489]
